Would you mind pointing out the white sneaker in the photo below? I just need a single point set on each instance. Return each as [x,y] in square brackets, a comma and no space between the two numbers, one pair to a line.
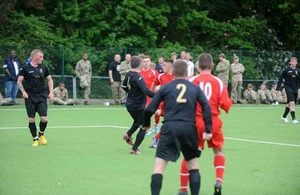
[295,121]
[285,120]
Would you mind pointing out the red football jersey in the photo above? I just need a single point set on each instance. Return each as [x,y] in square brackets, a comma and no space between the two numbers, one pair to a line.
[163,79]
[215,91]
[149,77]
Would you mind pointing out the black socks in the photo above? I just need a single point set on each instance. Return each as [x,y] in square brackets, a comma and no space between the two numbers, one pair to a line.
[32,128]
[139,139]
[195,181]
[156,183]
[42,128]
[286,112]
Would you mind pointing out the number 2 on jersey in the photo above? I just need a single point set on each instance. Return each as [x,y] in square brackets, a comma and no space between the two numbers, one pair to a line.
[182,88]
[206,88]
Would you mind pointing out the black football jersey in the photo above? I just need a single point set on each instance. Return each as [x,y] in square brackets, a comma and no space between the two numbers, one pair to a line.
[180,98]
[137,91]
[291,79]
[34,79]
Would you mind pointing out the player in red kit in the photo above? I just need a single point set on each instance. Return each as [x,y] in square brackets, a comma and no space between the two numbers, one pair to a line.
[217,95]
[162,79]
[149,75]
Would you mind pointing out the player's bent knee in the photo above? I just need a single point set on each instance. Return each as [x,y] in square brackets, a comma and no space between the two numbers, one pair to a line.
[193,164]
[44,119]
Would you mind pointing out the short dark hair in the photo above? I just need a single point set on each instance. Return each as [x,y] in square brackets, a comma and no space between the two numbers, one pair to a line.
[180,68]
[169,60]
[135,61]
[205,61]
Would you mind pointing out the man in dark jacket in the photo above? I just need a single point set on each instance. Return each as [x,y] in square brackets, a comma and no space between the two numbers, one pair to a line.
[11,67]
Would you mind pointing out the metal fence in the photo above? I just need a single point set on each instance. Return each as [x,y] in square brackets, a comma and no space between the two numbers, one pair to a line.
[61,60]
[100,86]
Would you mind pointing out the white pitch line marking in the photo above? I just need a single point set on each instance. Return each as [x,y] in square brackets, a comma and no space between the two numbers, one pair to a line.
[66,109]
[262,142]
[123,127]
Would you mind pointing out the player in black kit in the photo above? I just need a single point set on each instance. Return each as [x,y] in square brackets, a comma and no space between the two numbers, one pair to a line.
[178,132]
[31,83]
[137,90]
[291,79]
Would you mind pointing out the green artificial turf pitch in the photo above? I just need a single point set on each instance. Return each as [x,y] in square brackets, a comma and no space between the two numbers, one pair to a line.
[86,154]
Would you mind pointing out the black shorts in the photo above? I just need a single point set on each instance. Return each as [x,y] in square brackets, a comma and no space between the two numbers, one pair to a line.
[291,96]
[32,107]
[176,137]
[136,115]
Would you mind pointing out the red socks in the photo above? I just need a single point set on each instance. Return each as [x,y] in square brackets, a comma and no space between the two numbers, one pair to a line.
[219,163]
[157,136]
[184,177]
[156,118]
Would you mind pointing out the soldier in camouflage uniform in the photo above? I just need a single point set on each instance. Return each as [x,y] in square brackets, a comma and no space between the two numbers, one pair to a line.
[250,95]
[222,69]
[237,70]
[264,94]
[83,71]
[61,96]
[124,69]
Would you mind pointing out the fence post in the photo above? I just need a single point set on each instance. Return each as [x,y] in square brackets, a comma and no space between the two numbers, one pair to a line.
[74,88]
[62,53]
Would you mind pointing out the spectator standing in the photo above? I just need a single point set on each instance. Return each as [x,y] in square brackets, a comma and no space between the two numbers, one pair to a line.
[237,70]
[115,78]
[12,67]
[83,71]
[182,55]
[173,56]
[191,65]
[124,69]
[159,65]
[222,69]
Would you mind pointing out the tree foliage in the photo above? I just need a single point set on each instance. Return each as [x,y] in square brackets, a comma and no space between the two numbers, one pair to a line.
[195,25]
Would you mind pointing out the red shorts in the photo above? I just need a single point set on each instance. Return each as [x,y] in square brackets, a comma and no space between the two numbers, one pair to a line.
[217,139]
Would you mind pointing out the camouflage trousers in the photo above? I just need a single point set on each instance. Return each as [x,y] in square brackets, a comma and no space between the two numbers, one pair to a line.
[85,83]
[123,94]
[236,90]
[116,91]
[251,97]
[264,96]
[58,101]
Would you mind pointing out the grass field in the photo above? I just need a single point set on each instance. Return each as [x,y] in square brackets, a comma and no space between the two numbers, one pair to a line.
[86,154]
